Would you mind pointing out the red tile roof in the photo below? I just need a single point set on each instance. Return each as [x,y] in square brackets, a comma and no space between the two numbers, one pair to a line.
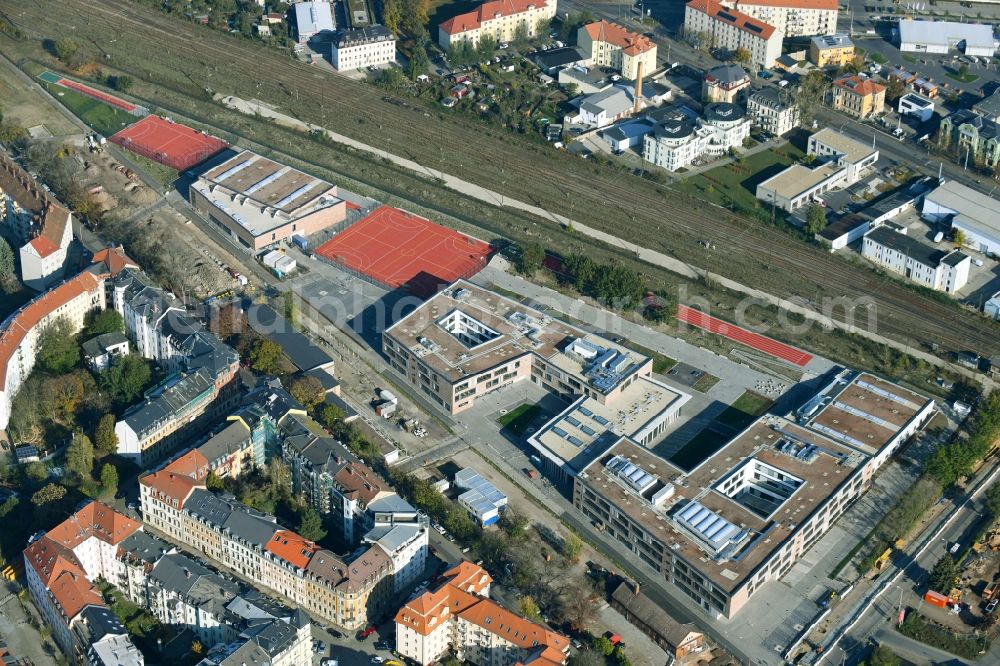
[631,42]
[115,259]
[73,592]
[733,17]
[292,548]
[50,218]
[427,612]
[43,246]
[32,313]
[859,86]
[487,11]
[832,5]
[357,481]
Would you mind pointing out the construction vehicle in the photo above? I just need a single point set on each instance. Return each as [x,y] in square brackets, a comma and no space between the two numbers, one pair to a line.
[955,594]
[991,591]
[883,560]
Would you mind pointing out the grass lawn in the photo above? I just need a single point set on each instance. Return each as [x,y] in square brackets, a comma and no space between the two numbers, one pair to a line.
[161,172]
[747,407]
[737,183]
[701,446]
[517,420]
[661,362]
[908,58]
[920,628]
[705,382]
[104,119]
[878,58]
[968,78]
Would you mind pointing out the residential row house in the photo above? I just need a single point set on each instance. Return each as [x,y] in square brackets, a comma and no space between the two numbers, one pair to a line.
[459,616]
[40,226]
[502,20]
[61,567]
[722,27]
[345,592]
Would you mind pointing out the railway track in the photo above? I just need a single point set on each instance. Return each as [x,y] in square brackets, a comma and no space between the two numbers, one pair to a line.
[669,221]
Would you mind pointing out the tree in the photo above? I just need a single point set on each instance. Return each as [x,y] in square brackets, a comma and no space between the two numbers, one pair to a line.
[80,457]
[532,256]
[37,471]
[513,523]
[109,480]
[105,439]
[958,236]
[7,265]
[963,70]
[943,575]
[127,378]
[265,355]
[529,609]
[48,494]
[993,500]
[214,482]
[57,349]
[602,645]
[815,219]
[307,390]
[65,49]
[812,88]
[742,55]
[419,62]
[9,505]
[392,14]
[458,522]
[104,321]
[311,525]
[521,36]
[279,476]
[122,83]
[487,48]
[571,547]
[883,656]
[332,417]
[587,657]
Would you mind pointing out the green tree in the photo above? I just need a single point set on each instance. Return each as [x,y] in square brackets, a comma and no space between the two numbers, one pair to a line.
[815,219]
[58,351]
[943,575]
[7,265]
[127,378]
[993,500]
[105,439]
[529,609]
[392,14]
[311,525]
[883,656]
[37,471]
[332,417]
[514,524]
[521,36]
[487,48]
[214,482]
[958,237]
[812,88]
[265,355]
[602,645]
[48,494]
[419,62]
[109,480]
[307,390]
[65,49]
[571,547]
[104,321]
[458,522]
[742,55]
[80,457]
[122,83]
[9,505]
[532,256]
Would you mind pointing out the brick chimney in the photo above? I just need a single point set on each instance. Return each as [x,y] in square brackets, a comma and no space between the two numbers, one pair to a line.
[638,91]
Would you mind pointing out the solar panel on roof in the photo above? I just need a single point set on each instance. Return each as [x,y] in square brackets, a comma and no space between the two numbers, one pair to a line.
[585,411]
[588,430]
[755,28]
[559,431]
[600,419]
[572,421]
[574,441]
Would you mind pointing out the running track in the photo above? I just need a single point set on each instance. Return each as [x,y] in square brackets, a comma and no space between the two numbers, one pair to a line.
[743,336]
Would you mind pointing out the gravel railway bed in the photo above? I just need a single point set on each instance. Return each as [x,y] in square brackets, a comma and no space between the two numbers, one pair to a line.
[653,216]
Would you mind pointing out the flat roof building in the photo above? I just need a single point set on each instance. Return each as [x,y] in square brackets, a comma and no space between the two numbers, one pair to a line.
[312,18]
[831,50]
[481,499]
[743,516]
[973,212]
[942,36]
[258,202]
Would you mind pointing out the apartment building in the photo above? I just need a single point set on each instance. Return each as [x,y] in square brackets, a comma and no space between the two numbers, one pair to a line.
[257,202]
[257,548]
[794,18]
[608,44]
[41,227]
[459,615]
[743,516]
[500,19]
[71,301]
[974,133]
[773,111]
[722,27]
[724,83]
[859,97]
[941,270]
[364,47]
[60,566]
[678,140]
[831,50]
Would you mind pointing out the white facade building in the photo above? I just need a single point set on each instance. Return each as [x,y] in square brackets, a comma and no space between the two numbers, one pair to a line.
[364,47]
[773,111]
[676,143]
[729,125]
[972,212]
[794,18]
[733,30]
[406,545]
[912,104]
[923,264]
[943,36]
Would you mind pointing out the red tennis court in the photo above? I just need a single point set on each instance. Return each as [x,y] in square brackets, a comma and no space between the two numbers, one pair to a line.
[743,336]
[177,146]
[397,249]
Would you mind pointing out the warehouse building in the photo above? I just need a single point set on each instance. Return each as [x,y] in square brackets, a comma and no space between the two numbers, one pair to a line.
[313,18]
[971,212]
[743,516]
[942,36]
[257,202]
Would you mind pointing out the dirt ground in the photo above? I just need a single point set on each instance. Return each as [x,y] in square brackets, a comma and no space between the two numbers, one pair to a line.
[26,108]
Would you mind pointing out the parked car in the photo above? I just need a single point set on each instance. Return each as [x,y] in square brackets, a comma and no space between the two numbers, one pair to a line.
[365,633]
[978,262]
[384,645]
